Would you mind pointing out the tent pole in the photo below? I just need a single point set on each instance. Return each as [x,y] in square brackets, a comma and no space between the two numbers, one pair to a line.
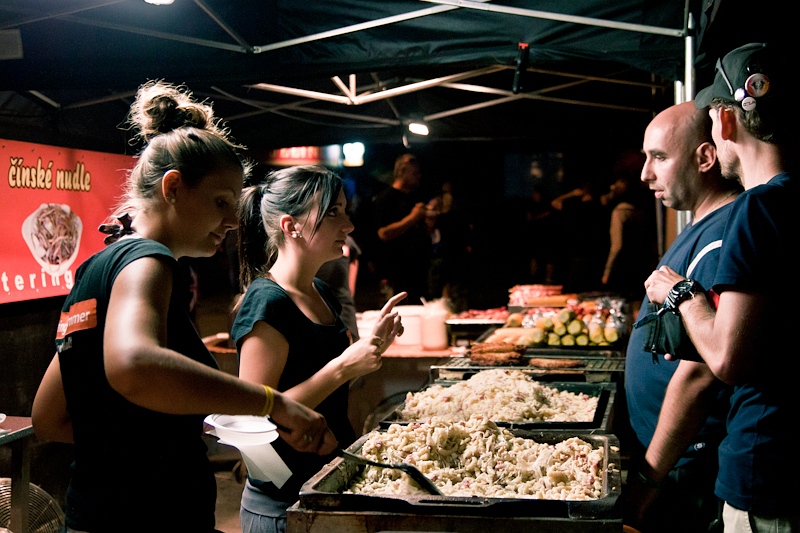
[685,93]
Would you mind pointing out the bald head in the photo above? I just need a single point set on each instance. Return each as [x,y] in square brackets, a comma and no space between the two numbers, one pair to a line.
[681,166]
[685,123]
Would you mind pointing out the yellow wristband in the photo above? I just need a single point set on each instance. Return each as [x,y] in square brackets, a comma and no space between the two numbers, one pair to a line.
[269,402]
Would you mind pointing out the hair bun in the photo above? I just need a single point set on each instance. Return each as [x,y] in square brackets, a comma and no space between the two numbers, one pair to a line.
[161,107]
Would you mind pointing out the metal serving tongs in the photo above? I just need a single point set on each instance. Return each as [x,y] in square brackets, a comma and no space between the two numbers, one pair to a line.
[413,472]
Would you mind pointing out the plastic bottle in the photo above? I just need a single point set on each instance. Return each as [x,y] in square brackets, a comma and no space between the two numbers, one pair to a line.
[433,328]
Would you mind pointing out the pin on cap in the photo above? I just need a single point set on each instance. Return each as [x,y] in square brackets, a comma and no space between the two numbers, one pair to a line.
[740,77]
[757,85]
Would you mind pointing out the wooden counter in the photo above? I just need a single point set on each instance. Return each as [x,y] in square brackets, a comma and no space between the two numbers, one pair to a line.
[416,352]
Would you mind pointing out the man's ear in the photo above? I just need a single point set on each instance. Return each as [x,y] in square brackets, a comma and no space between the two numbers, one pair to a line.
[727,122]
[170,184]
[706,155]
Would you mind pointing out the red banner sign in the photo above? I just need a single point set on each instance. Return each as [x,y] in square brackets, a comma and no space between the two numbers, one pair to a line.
[52,201]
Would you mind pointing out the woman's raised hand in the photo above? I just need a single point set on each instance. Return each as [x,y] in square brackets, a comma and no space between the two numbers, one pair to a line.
[389,325]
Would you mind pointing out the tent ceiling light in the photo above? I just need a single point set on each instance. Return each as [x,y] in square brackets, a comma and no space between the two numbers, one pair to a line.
[418,128]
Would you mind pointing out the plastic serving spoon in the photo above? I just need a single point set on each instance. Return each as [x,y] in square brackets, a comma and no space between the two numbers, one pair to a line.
[413,472]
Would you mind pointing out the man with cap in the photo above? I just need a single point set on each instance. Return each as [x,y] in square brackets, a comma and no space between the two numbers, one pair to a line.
[670,483]
[744,331]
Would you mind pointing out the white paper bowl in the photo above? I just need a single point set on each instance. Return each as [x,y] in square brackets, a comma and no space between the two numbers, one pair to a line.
[243,430]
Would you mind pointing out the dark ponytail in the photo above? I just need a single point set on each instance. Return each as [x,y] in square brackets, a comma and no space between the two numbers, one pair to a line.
[252,237]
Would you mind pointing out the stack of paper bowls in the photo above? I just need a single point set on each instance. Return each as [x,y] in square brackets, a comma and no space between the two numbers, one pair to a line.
[252,436]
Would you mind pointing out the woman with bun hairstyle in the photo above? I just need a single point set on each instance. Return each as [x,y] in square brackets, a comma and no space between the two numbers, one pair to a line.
[288,327]
[131,380]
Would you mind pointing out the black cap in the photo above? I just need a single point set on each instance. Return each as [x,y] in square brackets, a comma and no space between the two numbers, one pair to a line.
[741,77]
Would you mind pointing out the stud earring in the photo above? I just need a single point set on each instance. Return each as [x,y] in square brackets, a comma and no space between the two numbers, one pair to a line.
[297,235]
[171,199]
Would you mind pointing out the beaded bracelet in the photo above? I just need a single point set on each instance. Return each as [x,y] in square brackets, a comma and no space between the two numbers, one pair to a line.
[269,403]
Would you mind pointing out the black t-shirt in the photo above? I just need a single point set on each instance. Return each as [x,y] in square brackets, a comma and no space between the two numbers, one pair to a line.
[131,463]
[311,347]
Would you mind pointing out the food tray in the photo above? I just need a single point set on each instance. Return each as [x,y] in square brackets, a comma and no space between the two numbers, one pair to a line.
[301,520]
[601,423]
[470,329]
[596,368]
[598,350]
[324,491]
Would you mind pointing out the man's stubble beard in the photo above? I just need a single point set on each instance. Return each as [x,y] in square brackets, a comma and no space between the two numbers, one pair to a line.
[730,169]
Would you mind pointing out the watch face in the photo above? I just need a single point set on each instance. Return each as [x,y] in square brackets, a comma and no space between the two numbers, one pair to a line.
[683,289]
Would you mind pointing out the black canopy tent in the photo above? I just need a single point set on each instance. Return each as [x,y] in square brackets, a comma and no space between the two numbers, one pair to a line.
[285,73]
[288,73]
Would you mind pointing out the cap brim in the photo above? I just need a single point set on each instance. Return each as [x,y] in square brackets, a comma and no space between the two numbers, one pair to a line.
[704,97]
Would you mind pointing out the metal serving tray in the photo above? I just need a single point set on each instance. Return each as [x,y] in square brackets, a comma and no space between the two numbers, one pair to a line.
[596,368]
[324,491]
[601,423]
[598,350]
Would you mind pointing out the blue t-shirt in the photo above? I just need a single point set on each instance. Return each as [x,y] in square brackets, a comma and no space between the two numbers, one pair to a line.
[646,382]
[311,347]
[759,469]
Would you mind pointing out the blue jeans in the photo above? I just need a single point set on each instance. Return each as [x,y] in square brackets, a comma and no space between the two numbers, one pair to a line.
[258,523]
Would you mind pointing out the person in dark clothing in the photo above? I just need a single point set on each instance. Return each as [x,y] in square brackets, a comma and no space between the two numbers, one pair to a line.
[738,332]
[632,252]
[341,274]
[128,356]
[288,328]
[405,246]
[670,484]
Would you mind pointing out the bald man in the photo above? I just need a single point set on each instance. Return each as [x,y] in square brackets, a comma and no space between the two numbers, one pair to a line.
[670,484]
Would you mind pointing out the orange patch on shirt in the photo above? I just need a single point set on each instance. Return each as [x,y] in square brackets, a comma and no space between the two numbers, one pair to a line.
[81,315]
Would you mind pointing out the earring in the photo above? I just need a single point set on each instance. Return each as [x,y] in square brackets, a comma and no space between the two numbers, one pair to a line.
[171,199]
[297,235]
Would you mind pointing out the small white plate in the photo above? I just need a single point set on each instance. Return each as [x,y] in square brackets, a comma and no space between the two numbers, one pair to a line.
[242,423]
[242,429]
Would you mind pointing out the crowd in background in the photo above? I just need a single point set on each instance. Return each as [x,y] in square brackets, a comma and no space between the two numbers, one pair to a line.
[548,220]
